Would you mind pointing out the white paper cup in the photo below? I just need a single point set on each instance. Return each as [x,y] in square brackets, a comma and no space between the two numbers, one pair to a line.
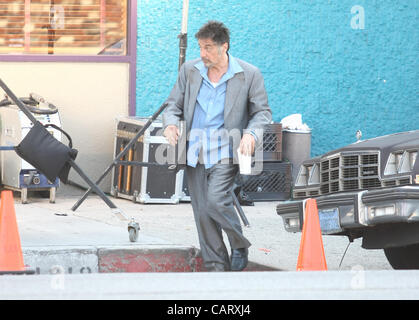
[245,163]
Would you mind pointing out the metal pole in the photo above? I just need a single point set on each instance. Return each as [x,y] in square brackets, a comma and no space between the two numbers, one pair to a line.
[183,36]
[91,184]
[185,10]
[239,209]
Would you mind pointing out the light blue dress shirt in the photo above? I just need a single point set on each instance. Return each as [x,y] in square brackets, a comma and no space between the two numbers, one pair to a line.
[207,131]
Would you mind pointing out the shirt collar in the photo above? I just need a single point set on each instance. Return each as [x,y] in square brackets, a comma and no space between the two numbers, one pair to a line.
[233,68]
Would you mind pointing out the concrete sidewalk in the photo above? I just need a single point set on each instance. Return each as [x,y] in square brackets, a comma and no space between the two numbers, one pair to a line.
[93,239]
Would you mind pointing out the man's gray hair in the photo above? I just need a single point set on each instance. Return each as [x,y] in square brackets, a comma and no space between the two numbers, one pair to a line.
[216,31]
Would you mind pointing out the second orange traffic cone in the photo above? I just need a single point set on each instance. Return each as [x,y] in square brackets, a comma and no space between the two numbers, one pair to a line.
[311,255]
[11,257]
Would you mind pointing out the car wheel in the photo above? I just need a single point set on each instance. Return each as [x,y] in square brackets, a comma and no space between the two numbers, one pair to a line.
[406,257]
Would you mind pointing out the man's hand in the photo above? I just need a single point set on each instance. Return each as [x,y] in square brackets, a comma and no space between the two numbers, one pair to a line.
[172,134]
[247,144]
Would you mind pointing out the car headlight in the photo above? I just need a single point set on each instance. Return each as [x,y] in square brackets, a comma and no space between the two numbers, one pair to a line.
[309,174]
[412,159]
[400,162]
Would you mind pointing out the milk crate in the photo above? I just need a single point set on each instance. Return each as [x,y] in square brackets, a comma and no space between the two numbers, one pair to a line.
[272,143]
[272,184]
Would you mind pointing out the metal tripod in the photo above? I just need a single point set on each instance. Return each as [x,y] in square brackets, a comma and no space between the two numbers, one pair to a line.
[92,185]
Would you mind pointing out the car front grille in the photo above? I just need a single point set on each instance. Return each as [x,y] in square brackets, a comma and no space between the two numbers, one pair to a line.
[349,172]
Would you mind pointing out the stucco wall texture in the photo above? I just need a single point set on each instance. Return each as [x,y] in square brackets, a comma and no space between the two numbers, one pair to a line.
[344,65]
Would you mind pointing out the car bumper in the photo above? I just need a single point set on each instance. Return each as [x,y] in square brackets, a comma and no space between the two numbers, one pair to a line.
[344,211]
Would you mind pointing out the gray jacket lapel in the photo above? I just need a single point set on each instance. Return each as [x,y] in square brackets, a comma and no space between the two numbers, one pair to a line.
[195,81]
[234,86]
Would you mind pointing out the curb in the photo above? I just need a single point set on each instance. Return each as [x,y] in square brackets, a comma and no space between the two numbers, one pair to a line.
[149,260]
[91,259]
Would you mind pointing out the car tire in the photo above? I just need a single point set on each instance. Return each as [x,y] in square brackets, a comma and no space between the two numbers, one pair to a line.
[406,257]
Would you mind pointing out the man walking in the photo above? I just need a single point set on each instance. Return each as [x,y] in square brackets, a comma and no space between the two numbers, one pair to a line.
[216,95]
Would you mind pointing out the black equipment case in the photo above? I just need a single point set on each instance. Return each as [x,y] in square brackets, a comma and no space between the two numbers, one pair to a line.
[146,184]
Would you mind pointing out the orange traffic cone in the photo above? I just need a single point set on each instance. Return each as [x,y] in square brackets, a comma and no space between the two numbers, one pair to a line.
[311,256]
[11,257]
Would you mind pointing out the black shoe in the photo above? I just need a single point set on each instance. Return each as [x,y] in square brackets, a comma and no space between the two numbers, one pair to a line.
[239,259]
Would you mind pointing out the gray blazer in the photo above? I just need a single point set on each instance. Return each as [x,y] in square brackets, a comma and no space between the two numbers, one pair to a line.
[246,103]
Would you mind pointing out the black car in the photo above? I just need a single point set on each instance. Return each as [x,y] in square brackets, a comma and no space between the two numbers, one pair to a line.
[368,189]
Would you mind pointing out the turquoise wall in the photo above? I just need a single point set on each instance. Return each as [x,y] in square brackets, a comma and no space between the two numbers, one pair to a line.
[344,65]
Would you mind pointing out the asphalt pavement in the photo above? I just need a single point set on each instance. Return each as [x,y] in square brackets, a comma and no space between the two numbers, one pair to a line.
[48,226]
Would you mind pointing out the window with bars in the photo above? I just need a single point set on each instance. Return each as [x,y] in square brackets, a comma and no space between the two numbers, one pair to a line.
[63,27]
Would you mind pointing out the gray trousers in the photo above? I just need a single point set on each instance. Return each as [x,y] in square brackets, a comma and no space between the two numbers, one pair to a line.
[214,211]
